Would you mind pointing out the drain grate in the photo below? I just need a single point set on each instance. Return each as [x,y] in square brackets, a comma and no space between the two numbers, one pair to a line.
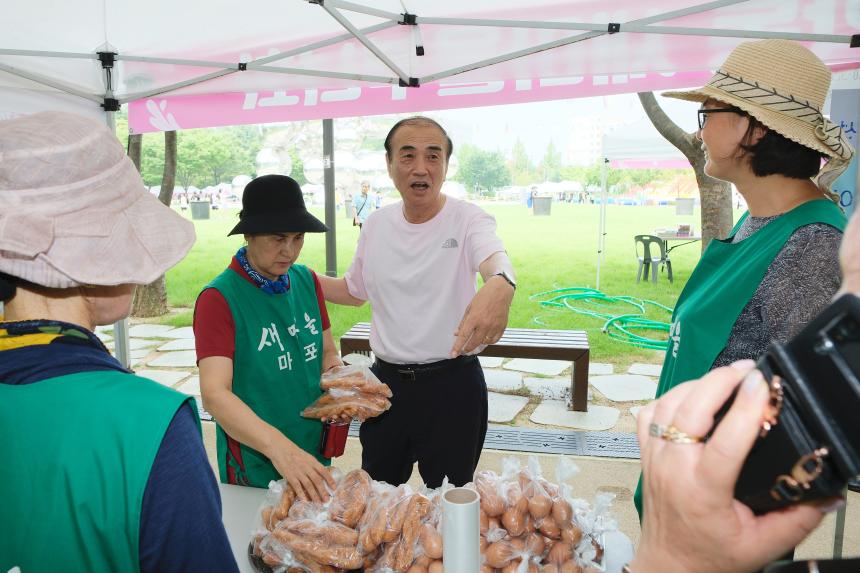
[575,443]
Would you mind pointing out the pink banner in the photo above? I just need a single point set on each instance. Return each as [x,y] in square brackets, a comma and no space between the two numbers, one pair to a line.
[210,110]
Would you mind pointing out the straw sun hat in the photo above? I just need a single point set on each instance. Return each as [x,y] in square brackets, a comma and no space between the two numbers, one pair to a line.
[783,85]
[74,211]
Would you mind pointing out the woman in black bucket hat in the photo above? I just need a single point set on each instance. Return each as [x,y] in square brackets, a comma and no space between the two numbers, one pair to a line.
[263,337]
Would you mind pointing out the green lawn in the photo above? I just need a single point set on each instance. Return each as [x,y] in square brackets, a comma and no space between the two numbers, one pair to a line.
[547,252]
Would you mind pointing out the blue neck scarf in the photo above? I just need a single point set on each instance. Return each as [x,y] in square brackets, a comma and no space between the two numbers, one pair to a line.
[277,286]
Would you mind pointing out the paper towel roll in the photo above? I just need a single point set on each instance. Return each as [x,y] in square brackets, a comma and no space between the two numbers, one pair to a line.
[461,530]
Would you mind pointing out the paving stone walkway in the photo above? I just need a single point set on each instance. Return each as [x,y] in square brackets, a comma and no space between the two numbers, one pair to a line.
[523,392]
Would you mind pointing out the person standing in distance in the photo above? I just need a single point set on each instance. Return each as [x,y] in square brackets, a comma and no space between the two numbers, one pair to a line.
[362,205]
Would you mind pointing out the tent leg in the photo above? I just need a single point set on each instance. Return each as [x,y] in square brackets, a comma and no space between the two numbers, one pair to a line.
[330,216]
[601,234]
[120,327]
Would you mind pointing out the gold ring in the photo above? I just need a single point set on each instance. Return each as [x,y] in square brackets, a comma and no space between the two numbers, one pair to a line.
[676,436]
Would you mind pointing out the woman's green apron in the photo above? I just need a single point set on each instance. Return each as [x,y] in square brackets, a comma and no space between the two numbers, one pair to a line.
[81,448]
[276,368]
[721,285]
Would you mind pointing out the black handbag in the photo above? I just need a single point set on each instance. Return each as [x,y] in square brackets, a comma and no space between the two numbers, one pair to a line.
[809,445]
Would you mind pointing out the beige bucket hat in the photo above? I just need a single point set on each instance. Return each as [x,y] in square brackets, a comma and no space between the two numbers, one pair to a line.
[783,85]
[74,211]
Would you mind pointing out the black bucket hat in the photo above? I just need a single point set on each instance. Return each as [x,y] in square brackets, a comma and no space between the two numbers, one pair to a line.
[274,204]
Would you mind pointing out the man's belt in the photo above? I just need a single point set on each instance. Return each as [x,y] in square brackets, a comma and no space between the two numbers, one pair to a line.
[413,372]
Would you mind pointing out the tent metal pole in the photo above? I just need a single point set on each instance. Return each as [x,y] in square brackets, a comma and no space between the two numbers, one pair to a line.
[584,26]
[353,7]
[51,83]
[321,44]
[176,86]
[233,66]
[566,41]
[330,215]
[601,236]
[323,74]
[757,34]
[366,43]
[120,327]
[529,24]
[46,54]
[179,62]
[510,56]
[256,65]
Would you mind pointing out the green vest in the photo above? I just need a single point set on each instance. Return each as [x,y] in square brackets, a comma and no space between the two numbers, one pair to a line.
[79,449]
[276,368]
[726,278]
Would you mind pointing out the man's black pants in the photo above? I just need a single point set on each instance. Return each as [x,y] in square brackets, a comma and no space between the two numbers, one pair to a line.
[438,417]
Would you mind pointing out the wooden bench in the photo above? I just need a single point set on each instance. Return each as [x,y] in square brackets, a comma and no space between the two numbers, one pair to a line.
[541,344]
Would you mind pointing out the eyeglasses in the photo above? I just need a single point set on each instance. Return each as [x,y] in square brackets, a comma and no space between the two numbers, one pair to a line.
[703,113]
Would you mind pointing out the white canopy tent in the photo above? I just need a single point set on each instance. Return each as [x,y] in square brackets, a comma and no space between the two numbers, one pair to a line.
[196,63]
[129,51]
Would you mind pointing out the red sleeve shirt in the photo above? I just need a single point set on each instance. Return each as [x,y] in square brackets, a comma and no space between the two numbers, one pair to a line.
[214,331]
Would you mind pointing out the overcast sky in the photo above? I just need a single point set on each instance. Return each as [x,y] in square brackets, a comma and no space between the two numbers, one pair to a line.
[535,124]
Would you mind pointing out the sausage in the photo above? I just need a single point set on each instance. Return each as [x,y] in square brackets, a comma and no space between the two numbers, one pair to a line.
[365,526]
[491,502]
[341,556]
[562,512]
[549,528]
[404,551]
[396,516]
[357,380]
[350,498]
[288,497]
[328,532]
[431,541]
[498,554]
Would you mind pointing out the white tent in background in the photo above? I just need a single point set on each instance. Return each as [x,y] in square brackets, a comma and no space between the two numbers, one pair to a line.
[187,64]
[639,146]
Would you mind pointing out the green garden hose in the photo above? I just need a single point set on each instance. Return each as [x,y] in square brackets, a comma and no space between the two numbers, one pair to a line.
[619,327]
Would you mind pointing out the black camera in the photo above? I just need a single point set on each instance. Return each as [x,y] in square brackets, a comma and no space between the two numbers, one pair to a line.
[809,445]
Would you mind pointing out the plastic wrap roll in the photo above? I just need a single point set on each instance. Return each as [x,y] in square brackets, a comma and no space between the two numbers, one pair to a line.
[460,531]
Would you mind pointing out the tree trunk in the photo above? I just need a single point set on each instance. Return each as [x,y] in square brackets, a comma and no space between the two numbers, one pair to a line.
[135,142]
[151,300]
[168,179]
[715,195]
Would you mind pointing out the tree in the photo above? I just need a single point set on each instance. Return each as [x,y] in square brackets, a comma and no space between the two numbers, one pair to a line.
[715,195]
[298,170]
[204,156]
[134,149]
[521,167]
[481,169]
[550,165]
[151,300]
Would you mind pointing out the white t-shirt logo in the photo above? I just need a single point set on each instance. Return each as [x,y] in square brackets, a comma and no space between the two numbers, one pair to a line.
[450,244]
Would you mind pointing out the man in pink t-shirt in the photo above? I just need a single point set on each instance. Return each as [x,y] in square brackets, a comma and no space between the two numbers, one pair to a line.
[417,263]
